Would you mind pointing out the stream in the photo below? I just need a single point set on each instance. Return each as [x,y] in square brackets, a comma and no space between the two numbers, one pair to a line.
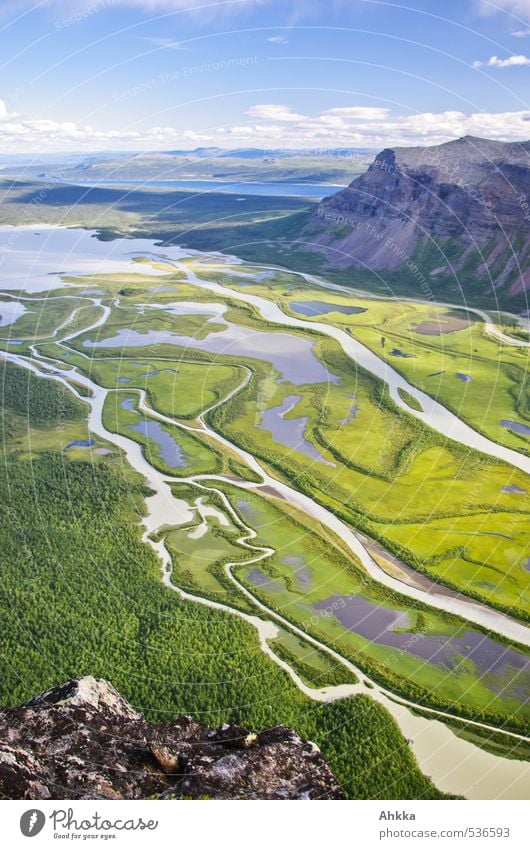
[455,765]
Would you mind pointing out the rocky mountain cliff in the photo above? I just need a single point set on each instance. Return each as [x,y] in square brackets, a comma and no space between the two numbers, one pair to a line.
[448,219]
[82,740]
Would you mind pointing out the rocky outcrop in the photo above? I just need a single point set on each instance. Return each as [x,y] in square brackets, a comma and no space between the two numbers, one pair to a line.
[456,212]
[82,740]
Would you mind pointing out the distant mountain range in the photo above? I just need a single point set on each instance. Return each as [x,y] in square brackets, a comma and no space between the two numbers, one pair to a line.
[447,220]
[334,166]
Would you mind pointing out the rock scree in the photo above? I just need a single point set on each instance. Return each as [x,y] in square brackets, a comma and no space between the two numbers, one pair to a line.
[83,740]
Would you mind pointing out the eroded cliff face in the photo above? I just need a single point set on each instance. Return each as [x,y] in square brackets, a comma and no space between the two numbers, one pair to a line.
[82,740]
[460,210]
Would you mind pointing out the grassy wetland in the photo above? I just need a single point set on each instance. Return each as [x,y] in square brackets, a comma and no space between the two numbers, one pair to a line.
[211,392]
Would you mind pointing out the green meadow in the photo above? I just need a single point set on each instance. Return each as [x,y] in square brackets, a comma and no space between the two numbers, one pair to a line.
[310,581]
[375,465]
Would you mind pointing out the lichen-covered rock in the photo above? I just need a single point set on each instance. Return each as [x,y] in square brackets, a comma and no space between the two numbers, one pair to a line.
[82,740]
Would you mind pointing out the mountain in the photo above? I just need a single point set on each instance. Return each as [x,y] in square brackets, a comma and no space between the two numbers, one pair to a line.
[433,221]
[82,740]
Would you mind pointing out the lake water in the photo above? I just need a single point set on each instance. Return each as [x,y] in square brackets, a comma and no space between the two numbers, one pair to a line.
[517,427]
[169,451]
[34,258]
[322,307]
[290,432]
[127,404]
[10,311]
[299,190]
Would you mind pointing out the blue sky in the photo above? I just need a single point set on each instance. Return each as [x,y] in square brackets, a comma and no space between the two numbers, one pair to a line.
[164,74]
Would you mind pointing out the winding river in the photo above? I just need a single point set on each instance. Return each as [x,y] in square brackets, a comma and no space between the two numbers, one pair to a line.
[455,765]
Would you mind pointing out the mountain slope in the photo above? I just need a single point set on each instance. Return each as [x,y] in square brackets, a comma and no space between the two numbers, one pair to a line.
[451,219]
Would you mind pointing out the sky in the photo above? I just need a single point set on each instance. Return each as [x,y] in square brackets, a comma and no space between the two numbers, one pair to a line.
[100,75]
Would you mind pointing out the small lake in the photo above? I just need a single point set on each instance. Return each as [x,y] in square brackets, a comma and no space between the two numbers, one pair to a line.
[10,311]
[377,624]
[322,307]
[290,432]
[127,404]
[34,258]
[169,451]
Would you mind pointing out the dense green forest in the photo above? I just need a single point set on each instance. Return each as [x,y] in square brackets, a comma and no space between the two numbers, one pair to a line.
[41,402]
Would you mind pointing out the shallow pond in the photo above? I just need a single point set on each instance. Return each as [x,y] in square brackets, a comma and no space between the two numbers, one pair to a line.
[290,432]
[155,372]
[377,623]
[258,578]
[517,427]
[352,412]
[301,569]
[322,307]
[127,404]
[169,451]
[80,443]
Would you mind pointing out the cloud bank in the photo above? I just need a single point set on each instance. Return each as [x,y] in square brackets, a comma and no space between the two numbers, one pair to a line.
[269,125]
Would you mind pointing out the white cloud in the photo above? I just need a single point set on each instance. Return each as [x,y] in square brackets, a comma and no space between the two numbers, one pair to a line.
[495,62]
[278,39]
[521,33]
[366,113]
[269,125]
[274,112]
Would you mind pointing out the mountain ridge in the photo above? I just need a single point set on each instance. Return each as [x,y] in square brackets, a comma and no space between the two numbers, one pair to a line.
[456,212]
